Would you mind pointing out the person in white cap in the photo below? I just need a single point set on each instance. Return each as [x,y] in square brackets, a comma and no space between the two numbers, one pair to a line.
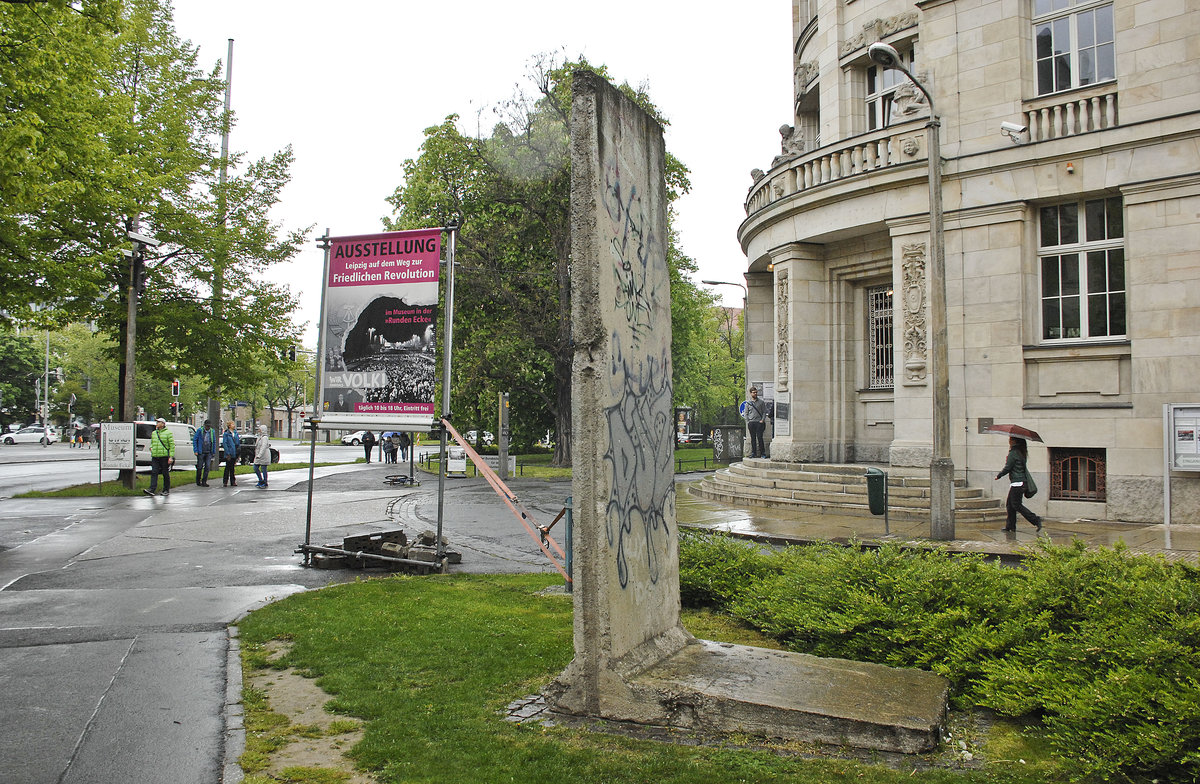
[262,456]
[162,455]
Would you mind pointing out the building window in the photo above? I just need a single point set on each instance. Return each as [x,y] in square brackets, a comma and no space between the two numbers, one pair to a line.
[879,328]
[1073,41]
[1077,474]
[882,84]
[1082,259]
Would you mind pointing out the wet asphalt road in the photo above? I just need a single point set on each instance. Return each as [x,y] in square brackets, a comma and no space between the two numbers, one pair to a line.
[114,652]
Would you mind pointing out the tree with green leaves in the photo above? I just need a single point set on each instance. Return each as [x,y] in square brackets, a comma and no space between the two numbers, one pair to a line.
[21,364]
[111,126]
[511,191]
[55,165]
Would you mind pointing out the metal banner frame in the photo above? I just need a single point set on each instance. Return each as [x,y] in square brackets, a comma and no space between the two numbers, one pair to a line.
[320,422]
[376,366]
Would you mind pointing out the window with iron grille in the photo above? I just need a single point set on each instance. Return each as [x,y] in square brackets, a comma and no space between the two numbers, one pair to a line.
[1078,474]
[879,328]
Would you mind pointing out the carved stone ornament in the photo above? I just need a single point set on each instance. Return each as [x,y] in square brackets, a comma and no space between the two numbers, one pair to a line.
[908,101]
[791,145]
[914,302]
[877,30]
[805,74]
[757,174]
[910,147]
[783,330]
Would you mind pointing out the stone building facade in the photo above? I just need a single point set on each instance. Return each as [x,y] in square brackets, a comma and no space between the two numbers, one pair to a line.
[1072,243]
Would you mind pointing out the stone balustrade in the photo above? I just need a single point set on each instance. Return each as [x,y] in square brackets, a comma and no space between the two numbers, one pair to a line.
[1047,119]
[859,155]
[1079,114]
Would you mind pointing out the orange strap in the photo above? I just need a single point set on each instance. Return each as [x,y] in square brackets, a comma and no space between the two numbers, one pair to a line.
[541,536]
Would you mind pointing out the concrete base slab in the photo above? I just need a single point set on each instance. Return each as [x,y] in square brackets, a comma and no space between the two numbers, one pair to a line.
[718,687]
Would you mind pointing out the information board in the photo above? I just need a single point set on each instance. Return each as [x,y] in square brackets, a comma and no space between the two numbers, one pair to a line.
[1183,437]
[117,446]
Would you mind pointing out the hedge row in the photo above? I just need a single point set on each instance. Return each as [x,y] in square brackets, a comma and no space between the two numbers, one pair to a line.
[1101,645]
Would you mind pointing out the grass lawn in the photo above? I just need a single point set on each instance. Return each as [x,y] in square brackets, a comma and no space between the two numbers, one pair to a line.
[114,487]
[429,665]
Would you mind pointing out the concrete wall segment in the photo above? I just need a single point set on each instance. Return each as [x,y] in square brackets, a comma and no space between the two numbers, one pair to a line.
[626,552]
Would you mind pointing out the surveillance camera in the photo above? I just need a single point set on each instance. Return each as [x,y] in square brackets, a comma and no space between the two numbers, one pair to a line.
[1011,128]
[142,239]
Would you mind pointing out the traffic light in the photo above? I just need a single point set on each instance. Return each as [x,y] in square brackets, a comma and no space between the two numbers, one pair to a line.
[175,388]
[292,353]
[174,410]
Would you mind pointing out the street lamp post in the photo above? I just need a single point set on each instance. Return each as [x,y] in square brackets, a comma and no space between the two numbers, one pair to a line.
[941,468]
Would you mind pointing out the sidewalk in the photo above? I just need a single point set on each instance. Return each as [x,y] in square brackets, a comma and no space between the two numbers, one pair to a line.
[1175,543]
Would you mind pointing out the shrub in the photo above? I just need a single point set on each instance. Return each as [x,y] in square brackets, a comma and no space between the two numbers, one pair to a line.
[715,568]
[1102,645]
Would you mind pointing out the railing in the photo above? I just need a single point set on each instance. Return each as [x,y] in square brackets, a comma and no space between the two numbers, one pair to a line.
[1080,114]
[878,150]
[860,155]
[430,462]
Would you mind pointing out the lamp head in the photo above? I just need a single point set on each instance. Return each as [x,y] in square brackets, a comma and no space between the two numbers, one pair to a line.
[884,55]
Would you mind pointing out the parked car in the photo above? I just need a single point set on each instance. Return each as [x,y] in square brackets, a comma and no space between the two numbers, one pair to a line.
[353,439]
[34,434]
[245,454]
[487,439]
[183,432]
[690,438]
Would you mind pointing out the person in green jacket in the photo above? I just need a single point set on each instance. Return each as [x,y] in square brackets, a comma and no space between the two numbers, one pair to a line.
[1018,474]
[162,455]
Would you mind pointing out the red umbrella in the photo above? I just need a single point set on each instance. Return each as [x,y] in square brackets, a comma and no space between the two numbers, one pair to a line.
[1014,430]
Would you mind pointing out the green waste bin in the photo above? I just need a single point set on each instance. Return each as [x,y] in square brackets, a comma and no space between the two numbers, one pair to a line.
[877,494]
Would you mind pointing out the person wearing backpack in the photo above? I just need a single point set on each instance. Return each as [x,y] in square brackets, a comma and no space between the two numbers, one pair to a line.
[204,444]
[1018,476]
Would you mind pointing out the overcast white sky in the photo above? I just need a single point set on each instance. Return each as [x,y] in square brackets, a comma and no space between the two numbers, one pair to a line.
[352,86]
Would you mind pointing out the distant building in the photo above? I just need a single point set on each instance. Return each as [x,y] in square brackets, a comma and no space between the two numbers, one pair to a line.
[1072,243]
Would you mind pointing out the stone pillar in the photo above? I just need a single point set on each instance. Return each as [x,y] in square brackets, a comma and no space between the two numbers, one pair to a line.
[760,336]
[802,351]
[626,548]
[913,412]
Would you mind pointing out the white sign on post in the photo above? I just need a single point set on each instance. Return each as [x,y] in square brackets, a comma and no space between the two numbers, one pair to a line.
[1183,437]
[117,446]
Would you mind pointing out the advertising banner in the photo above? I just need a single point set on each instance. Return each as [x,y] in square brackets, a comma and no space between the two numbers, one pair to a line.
[117,448]
[379,367]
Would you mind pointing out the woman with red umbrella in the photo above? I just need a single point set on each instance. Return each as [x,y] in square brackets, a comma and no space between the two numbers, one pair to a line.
[1018,473]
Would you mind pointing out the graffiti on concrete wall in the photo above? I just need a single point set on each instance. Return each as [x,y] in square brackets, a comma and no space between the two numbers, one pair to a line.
[640,456]
[634,244]
[640,440]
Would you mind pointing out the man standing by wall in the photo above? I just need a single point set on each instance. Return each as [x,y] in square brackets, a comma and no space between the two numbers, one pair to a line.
[755,412]
[204,444]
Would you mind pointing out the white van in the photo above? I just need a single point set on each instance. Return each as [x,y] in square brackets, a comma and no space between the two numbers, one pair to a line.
[183,432]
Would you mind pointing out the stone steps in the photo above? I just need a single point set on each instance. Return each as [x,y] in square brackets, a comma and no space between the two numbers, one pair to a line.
[838,488]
